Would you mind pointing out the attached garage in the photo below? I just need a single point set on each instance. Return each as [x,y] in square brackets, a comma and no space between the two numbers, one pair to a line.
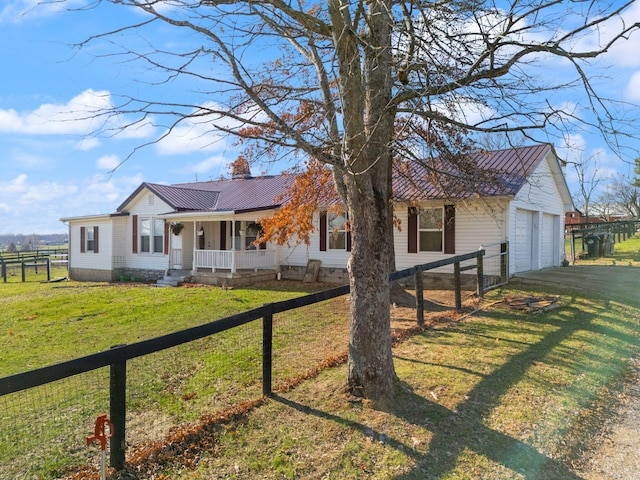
[536,218]
[523,246]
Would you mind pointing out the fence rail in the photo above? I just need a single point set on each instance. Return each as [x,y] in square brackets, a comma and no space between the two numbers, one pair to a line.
[116,359]
[31,254]
[579,236]
[45,263]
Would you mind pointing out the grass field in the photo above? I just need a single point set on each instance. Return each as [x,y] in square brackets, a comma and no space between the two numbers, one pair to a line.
[42,430]
[504,394]
[625,253]
[498,395]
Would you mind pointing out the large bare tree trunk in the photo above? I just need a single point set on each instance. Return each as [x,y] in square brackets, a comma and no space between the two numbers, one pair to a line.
[369,120]
[370,370]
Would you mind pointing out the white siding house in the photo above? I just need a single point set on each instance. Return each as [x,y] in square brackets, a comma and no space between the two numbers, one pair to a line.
[207,230]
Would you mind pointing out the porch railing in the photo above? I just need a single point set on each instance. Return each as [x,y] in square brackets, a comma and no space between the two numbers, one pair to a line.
[235,259]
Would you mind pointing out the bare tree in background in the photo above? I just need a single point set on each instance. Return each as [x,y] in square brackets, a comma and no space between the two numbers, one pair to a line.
[590,177]
[355,84]
[622,196]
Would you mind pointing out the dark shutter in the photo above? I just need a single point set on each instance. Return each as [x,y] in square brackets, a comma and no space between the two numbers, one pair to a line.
[412,229]
[323,231]
[95,239]
[450,229]
[166,237]
[223,235]
[348,240]
[83,236]
[134,234]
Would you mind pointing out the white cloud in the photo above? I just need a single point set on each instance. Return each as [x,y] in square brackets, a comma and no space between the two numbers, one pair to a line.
[205,166]
[81,115]
[108,162]
[572,148]
[37,206]
[88,114]
[22,10]
[17,185]
[87,143]
[632,92]
[102,194]
[201,133]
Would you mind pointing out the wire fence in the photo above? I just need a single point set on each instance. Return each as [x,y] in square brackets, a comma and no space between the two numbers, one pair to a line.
[173,380]
[495,265]
[43,429]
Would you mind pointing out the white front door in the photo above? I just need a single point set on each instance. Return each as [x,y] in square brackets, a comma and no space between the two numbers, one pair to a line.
[176,251]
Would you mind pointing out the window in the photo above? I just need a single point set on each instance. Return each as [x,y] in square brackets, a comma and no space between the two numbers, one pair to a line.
[252,234]
[337,230]
[152,235]
[430,229]
[334,232]
[158,236]
[89,239]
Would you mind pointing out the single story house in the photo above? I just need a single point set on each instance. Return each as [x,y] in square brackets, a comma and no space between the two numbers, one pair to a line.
[206,230]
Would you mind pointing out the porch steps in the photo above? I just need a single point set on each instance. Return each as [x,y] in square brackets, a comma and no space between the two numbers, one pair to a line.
[174,278]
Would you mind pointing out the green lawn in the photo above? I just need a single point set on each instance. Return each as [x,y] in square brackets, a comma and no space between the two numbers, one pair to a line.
[43,430]
[504,394]
[625,253]
[501,394]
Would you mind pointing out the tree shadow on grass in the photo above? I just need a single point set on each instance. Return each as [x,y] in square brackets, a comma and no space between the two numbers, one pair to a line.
[455,432]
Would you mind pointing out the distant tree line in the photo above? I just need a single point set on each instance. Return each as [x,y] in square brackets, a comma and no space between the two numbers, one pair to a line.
[24,243]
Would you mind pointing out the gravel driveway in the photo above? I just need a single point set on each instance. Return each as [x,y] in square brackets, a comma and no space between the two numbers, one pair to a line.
[617,454]
[616,448]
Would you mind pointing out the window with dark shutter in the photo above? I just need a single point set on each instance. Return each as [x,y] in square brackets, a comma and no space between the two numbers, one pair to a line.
[83,236]
[134,233]
[166,237]
[95,239]
[323,231]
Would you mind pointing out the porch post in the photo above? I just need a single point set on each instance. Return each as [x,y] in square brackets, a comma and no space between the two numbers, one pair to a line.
[194,268]
[233,246]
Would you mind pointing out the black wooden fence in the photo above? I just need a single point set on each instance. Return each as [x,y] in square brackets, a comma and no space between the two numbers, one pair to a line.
[588,240]
[116,358]
[37,260]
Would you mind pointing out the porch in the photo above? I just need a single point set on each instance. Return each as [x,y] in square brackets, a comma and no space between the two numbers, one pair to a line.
[234,260]
[226,260]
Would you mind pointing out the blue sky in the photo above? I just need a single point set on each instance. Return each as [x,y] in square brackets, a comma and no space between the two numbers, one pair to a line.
[52,167]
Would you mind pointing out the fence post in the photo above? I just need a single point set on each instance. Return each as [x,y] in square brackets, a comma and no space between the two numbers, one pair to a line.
[457,285]
[419,296]
[4,272]
[118,411]
[48,269]
[267,350]
[480,274]
[23,273]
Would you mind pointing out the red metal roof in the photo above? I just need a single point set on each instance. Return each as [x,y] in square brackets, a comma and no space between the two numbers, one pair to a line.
[489,174]
[497,173]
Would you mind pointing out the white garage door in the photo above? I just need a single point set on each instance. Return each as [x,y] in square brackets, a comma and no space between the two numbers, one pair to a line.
[548,241]
[524,240]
